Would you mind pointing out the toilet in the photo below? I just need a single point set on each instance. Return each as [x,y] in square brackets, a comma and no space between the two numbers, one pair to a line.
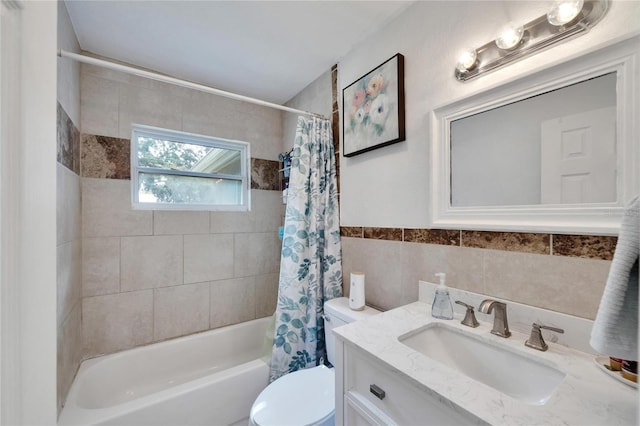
[307,397]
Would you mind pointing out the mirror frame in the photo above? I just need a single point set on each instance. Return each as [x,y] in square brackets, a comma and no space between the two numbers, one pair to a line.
[591,218]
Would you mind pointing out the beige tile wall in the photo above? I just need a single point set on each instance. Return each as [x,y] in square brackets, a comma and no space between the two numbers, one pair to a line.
[69,279]
[563,284]
[154,275]
[117,321]
[166,274]
[68,216]
[111,101]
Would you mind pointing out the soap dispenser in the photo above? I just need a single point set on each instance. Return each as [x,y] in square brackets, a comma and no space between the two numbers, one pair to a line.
[442,307]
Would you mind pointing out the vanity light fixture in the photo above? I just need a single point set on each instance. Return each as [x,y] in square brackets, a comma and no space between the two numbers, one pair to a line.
[467,60]
[564,11]
[510,36]
[566,19]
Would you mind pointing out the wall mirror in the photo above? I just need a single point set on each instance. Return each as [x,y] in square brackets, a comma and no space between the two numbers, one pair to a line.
[555,151]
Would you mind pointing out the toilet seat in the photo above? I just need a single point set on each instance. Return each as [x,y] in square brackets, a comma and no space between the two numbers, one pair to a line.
[305,397]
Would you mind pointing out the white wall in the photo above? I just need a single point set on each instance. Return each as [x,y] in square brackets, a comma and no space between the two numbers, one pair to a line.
[316,97]
[389,186]
[68,71]
[38,214]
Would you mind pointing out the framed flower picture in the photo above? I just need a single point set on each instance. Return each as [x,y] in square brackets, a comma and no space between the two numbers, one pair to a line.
[373,108]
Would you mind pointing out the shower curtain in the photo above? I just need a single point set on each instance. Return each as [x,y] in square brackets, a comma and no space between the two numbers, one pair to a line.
[311,259]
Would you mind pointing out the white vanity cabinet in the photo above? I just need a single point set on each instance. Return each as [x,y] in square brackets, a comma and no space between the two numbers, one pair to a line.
[374,355]
[371,393]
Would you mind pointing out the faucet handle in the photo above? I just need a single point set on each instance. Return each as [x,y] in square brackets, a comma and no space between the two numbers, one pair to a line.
[469,317]
[546,327]
[536,341]
[460,302]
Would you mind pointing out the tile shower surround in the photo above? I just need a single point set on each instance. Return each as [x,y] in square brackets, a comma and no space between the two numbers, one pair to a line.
[154,275]
[171,273]
[153,269]
[69,254]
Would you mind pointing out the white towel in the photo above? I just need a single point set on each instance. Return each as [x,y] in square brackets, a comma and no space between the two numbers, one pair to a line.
[615,330]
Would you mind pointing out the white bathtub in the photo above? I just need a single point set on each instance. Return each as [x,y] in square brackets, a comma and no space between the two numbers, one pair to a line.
[209,378]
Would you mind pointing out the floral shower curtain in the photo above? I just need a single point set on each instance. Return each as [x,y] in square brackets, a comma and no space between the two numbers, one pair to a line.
[311,260]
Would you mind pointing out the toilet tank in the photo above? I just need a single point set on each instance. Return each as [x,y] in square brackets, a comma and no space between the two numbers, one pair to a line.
[337,313]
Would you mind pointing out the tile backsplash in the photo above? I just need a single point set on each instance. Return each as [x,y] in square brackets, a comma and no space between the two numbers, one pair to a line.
[511,268]
[589,246]
[562,273]
[585,246]
[521,317]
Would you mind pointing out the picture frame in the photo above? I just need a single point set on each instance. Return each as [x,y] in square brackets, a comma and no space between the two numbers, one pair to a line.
[373,108]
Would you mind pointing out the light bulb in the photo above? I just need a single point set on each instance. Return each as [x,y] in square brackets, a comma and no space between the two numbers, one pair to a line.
[467,60]
[510,36]
[564,11]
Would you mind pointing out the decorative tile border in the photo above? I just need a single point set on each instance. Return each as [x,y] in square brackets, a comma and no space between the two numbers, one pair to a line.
[445,237]
[351,231]
[390,234]
[335,115]
[105,157]
[335,122]
[508,241]
[588,246]
[264,174]
[109,158]
[585,246]
[68,137]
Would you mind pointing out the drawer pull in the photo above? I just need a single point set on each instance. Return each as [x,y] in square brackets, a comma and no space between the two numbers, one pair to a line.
[379,393]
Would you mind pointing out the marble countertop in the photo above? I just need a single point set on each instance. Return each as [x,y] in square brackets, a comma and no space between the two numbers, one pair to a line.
[587,396]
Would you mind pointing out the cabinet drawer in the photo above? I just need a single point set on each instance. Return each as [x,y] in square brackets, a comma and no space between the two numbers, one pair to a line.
[391,393]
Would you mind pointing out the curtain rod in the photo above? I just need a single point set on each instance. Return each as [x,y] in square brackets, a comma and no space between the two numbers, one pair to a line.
[179,82]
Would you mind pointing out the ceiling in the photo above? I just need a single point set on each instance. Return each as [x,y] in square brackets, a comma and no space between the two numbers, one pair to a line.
[270,50]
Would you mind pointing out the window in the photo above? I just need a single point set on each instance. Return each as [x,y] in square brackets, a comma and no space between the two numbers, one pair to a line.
[173,170]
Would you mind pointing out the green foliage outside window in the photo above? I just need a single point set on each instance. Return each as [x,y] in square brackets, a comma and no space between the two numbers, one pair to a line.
[183,170]
[172,156]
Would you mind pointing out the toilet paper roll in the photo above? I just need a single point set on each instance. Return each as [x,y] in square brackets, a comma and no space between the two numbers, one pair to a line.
[356,291]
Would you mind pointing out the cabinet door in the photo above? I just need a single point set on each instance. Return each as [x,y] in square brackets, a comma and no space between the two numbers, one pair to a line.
[359,412]
[391,398]
[355,417]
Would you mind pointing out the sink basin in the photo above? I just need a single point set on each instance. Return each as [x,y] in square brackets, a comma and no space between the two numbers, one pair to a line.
[488,362]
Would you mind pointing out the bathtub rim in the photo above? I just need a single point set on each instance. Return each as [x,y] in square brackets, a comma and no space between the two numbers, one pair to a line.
[171,341]
[74,414]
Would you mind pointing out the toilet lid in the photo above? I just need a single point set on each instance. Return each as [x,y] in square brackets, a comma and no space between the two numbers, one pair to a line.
[304,397]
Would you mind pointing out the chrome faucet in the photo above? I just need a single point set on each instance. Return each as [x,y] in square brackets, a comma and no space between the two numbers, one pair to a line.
[500,323]
[536,341]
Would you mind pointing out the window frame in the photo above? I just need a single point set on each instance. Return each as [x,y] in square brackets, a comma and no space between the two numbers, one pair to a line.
[138,130]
